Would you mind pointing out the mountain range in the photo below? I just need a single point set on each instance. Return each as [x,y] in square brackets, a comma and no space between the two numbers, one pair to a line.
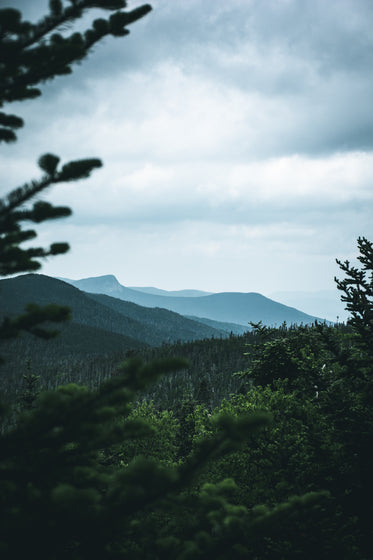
[136,324]
[107,315]
[108,322]
[227,307]
[175,293]
[103,330]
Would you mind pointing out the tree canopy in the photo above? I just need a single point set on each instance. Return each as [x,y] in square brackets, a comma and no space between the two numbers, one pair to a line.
[31,54]
[95,473]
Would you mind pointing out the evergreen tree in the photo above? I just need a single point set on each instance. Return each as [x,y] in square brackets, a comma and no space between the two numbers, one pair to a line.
[31,54]
[357,293]
[327,374]
[59,497]
[64,492]
[353,390]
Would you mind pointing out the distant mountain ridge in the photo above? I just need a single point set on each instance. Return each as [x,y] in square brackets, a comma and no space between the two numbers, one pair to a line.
[172,293]
[139,325]
[103,331]
[110,284]
[105,328]
[227,307]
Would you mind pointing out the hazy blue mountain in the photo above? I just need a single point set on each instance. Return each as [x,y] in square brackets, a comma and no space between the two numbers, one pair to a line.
[172,293]
[169,325]
[139,325]
[227,307]
[108,284]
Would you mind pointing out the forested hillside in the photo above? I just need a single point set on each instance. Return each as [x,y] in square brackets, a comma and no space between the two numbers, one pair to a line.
[149,326]
[102,331]
[254,446]
[302,485]
[229,307]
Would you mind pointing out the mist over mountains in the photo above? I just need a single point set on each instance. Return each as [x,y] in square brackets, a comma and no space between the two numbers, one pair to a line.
[110,321]
[227,307]
[139,325]
[107,316]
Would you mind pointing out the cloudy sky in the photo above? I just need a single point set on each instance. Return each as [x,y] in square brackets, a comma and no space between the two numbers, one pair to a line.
[237,145]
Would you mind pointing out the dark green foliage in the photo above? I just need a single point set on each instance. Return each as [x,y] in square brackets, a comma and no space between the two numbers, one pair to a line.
[296,354]
[63,492]
[32,318]
[172,326]
[150,326]
[161,475]
[209,377]
[14,258]
[328,374]
[97,329]
[30,54]
[79,354]
[90,473]
[357,290]
[187,428]
[203,393]
[30,388]
[295,454]
[318,446]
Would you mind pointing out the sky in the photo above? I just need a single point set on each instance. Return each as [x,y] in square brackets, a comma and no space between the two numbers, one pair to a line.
[237,141]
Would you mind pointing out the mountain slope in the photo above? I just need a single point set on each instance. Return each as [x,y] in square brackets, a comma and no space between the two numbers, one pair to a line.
[170,325]
[172,293]
[234,328]
[229,307]
[140,325]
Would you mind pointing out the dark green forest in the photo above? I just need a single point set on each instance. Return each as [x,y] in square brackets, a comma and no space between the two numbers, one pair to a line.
[256,446]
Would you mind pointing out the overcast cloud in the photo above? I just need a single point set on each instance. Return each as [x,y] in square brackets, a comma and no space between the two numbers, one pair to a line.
[237,142]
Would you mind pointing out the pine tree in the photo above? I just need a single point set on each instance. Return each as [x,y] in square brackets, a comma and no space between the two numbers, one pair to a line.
[60,496]
[31,54]
[357,293]
[355,410]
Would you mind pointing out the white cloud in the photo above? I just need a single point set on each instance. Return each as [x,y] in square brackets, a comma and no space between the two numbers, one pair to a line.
[286,189]
[204,255]
[297,180]
[237,143]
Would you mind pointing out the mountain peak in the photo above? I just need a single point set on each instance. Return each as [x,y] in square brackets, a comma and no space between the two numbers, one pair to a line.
[107,283]
[105,278]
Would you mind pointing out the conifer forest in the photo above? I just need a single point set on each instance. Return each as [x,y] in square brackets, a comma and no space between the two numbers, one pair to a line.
[253,446]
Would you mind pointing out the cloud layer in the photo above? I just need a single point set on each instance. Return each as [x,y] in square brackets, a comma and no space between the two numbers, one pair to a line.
[237,142]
